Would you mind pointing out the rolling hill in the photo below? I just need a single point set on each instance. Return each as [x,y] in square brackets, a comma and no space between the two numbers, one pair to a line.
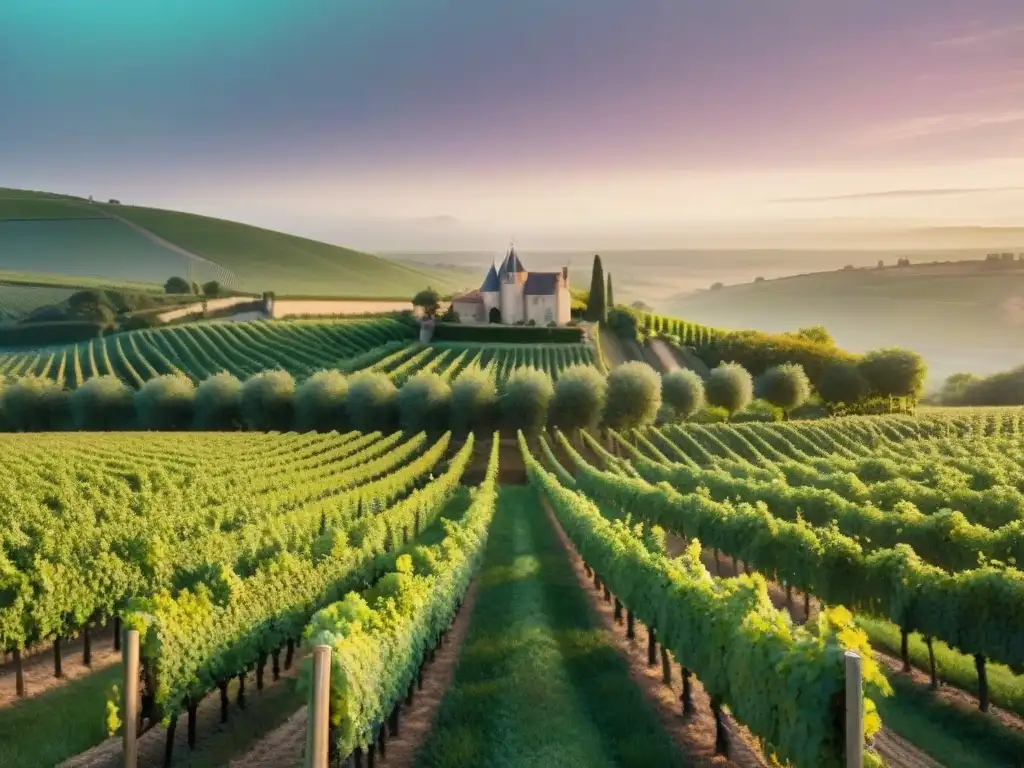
[42,232]
[962,316]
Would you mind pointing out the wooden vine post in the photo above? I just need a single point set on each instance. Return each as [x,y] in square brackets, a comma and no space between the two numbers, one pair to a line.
[130,701]
[318,727]
[854,712]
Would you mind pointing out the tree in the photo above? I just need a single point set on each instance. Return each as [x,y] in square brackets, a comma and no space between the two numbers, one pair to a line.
[101,404]
[729,387]
[268,401]
[894,372]
[596,308]
[211,289]
[842,383]
[634,396]
[218,403]
[580,395]
[166,402]
[428,300]
[34,404]
[784,386]
[682,390]
[623,324]
[320,402]
[177,285]
[610,300]
[474,402]
[815,333]
[370,404]
[525,399]
[423,403]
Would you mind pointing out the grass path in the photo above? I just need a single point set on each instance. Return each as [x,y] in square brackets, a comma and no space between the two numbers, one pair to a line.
[538,681]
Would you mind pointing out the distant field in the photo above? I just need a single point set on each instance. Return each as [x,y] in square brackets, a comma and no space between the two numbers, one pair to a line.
[961,316]
[19,300]
[286,263]
[46,233]
[87,248]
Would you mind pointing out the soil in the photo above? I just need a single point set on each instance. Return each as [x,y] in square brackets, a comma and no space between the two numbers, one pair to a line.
[37,665]
[283,747]
[209,728]
[694,734]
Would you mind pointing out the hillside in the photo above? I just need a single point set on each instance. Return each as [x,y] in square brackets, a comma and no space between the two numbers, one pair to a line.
[47,233]
[962,316]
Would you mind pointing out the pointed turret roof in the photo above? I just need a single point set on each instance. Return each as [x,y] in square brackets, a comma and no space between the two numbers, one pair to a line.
[491,282]
[512,263]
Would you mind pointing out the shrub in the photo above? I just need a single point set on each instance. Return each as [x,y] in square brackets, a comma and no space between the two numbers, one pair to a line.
[102,403]
[580,395]
[894,372]
[623,323]
[370,404]
[784,386]
[474,402]
[816,334]
[505,334]
[218,403]
[711,415]
[268,401]
[634,396]
[166,402]
[423,403]
[758,410]
[729,387]
[683,392]
[211,289]
[34,404]
[177,285]
[842,383]
[757,352]
[320,402]
[428,300]
[525,400]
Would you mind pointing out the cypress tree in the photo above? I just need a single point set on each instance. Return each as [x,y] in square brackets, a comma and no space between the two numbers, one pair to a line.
[596,303]
[610,300]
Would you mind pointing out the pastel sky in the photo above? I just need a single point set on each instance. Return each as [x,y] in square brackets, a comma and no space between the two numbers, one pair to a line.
[354,117]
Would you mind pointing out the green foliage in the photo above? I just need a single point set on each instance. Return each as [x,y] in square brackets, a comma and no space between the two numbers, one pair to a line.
[370,404]
[525,399]
[320,402]
[177,285]
[423,404]
[634,396]
[379,639]
[474,402]
[597,309]
[842,383]
[579,400]
[730,387]
[268,401]
[211,289]
[817,334]
[102,403]
[623,323]
[784,386]
[504,334]
[610,301]
[166,402]
[113,718]
[218,403]
[34,404]
[744,651]
[428,300]
[683,391]
[757,352]
[894,372]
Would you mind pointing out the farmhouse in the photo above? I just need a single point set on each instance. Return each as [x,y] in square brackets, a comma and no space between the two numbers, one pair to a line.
[510,294]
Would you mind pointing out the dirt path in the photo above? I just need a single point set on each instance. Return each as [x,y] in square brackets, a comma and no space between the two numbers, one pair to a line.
[283,747]
[661,351]
[216,742]
[694,734]
[37,665]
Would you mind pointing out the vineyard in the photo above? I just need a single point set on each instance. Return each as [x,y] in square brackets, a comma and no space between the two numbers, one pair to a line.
[18,300]
[300,347]
[749,558]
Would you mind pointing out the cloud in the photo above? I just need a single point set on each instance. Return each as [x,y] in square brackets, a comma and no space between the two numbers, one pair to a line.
[982,37]
[900,193]
[920,127]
